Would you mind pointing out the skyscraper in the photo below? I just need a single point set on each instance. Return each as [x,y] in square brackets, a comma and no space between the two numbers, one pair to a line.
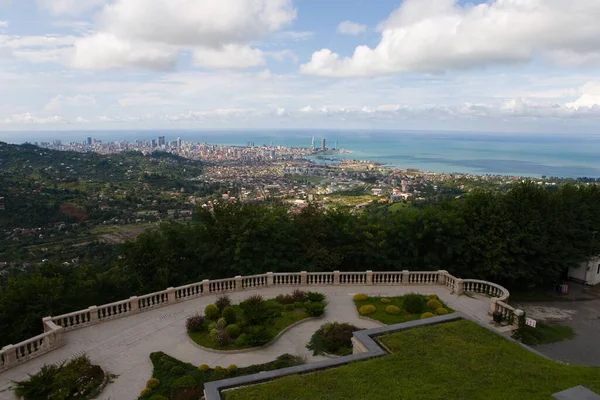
[178,142]
[161,140]
[312,144]
[323,144]
[89,141]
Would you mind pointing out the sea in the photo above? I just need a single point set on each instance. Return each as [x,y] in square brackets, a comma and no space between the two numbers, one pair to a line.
[480,153]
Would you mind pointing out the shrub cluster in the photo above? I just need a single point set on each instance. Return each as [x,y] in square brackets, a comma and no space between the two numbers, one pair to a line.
[433,297]
[223,301]
[413,303]
[185,381]
[332,338]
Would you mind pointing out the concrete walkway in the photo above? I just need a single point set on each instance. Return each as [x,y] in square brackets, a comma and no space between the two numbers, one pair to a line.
[123,346]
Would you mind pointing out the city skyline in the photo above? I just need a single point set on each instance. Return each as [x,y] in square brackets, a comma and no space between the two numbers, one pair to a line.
[284,64]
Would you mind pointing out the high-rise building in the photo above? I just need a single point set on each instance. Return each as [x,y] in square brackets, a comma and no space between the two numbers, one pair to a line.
[178,142]
[323,148]
[161,140]
[336,145]
[312,144]
[89,141]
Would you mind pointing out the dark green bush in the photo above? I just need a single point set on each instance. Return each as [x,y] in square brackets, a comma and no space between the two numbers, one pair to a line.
[242,340]
[299,295]
[229,314]
[157,397]
[258,335]
[211,312]
[413,303]
[290,307]
[186,394]
[315,309]
[298,304]
[195,323]
[168,365]
[221,323]
[185,381]
[177,370]
[256,311]
[315,296]
[223,301]
[284,299]
[332,338]
[254,299]
[233,331]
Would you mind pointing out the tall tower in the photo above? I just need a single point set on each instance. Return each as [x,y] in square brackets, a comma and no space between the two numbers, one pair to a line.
[178,142]
[312,144]
[323,144]
[161,140]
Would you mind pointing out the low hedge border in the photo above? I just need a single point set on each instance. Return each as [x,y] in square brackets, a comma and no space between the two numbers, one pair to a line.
[253,348]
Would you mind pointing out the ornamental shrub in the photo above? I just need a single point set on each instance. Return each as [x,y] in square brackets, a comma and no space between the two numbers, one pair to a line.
[219,336]
[233,331]
[366,310]
[392,310]
[232,368]
[299,295]
[433,297]
[434,304]
[385,300]
[221,323]
[315,309]
[315,296]
[289,307]
[413,303]
[219,373]
[212,326]
[195,323]
[426,315]
[441,311]
[242,340]
[157,397]
[360,297]
[284,299]
[203,368]
[168,365]
[152,383]
[211,312]
[332,338]
[255,310]
[258,335]
[223,301]
[298,304]
[146,392]
[254,299]
[177,370]
[186,381]
[229,314]
[186,394]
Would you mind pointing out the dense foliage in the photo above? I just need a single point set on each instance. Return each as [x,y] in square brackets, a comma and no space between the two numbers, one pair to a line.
[77,379]
[332,338]
[527,236]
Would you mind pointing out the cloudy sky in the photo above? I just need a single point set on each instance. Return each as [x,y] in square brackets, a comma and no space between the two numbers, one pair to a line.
[497,65]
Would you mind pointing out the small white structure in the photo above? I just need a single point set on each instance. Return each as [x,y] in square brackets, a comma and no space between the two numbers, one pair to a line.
[588,272]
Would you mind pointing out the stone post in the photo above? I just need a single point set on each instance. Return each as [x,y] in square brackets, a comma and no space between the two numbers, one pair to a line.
[93,310]
[369,277]
[269,279]
[171,295]
[47,326]
[336,277]
[492,307]
[519,315]
[10,355]
[205,287]
[134,304]
[238,283]
[460,287]
[405,277]
[303,278]
[59,336]
[442,277]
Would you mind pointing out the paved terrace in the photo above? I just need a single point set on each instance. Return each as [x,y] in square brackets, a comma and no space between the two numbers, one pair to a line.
[122,346]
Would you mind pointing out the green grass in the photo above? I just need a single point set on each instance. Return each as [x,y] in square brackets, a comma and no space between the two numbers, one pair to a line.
[544,334]
[389,319]
[274,326]
[456,360]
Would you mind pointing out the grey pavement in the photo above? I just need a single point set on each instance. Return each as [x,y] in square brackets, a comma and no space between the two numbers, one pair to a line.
[123,346]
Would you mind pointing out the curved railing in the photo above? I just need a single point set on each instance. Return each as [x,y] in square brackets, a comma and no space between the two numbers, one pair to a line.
[54,327]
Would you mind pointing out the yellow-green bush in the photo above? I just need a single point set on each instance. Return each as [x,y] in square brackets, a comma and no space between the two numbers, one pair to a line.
[434,304]
[145,392]
[152,383]
[426,315]
[366,310]
[203,368]
[392,310]
[433,297]
[232,368]
[360,297]
[441,311]
[385,300]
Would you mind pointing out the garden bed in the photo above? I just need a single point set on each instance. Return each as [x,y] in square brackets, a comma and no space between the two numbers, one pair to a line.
[173,379]
[394,310]
[252,323]
[332,339]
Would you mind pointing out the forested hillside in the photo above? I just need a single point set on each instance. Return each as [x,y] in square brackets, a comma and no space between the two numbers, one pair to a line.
[526,236]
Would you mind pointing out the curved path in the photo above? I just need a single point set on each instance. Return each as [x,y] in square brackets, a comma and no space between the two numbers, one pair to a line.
[123,346]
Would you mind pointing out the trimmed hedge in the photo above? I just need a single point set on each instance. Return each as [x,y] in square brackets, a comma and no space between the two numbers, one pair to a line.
[366,310]
[392,310]
[426,315]
[434,304]
[360,297]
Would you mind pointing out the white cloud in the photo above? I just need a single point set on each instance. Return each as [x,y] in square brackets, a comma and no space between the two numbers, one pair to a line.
[151,34]
[590,96]
[351,28]
[143,99]
[229,56]
[60,102]
[439,35]
[4,24]
[30,119]
[69,7]
[295,35]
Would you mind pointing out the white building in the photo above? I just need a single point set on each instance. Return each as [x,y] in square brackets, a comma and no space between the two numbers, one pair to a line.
[588,272]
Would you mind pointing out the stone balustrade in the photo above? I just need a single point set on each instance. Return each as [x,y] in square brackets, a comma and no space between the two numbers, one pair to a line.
[54,327]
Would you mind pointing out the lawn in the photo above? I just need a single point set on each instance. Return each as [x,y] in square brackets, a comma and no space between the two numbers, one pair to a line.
[455,360]
[544,334]
[382,316]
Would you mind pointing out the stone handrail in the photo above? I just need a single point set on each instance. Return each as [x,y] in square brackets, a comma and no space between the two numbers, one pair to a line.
[54,327]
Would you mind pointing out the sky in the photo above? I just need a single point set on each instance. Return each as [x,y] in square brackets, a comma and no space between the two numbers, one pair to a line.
[496,65]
